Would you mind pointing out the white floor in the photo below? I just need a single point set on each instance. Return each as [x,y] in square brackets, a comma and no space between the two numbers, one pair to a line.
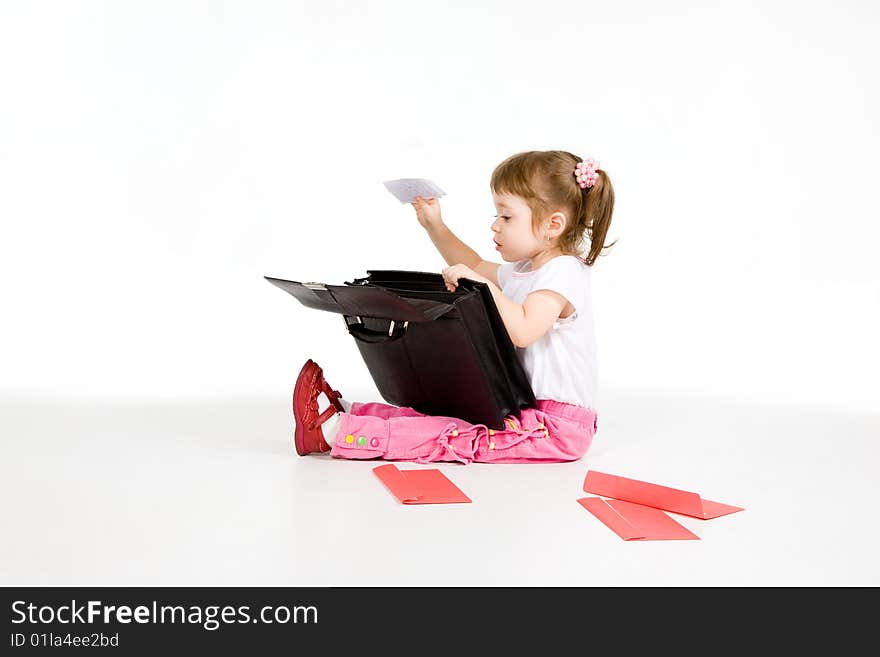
[212,493]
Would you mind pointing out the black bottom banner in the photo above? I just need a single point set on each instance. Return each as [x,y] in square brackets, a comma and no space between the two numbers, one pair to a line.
[147,620]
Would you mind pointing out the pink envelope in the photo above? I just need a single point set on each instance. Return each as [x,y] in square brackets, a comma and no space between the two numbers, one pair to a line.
[635,522]
[420,486]
[660,497]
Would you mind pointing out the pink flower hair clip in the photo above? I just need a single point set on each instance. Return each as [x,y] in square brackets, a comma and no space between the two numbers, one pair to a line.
[585,173]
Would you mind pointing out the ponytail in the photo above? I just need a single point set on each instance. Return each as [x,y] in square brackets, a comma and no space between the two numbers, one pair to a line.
[598,206]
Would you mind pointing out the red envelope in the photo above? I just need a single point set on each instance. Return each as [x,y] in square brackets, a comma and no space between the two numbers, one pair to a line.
[635,522]
[420,486]
[660,497]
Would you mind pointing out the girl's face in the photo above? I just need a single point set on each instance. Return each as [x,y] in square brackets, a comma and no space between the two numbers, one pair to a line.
[512,228]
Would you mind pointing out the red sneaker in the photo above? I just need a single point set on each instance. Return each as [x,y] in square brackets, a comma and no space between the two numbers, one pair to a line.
[309,384]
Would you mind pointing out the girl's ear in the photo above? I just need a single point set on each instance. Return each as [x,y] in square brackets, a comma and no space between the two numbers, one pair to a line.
[556,223]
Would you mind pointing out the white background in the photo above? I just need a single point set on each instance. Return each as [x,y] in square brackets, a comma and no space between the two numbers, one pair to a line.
[157,159]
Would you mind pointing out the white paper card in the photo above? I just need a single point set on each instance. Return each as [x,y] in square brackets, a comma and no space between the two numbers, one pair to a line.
[406,189]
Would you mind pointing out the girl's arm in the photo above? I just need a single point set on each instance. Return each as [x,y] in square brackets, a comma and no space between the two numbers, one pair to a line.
[453,250]
[525,322]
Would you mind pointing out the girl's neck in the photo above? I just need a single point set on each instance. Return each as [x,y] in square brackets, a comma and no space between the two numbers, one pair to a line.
[541,258]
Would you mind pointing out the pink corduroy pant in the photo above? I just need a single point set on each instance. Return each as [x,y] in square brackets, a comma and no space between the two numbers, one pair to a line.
[551,432]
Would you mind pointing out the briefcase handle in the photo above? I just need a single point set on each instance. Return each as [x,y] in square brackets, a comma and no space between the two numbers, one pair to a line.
[359,331]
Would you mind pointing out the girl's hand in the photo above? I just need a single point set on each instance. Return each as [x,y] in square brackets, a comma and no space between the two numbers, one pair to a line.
[427,211]
[453,273]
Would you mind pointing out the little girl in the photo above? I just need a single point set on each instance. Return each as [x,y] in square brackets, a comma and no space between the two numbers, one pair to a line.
[549,203]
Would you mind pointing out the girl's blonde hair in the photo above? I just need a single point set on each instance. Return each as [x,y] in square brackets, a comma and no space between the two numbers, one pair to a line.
[546,181]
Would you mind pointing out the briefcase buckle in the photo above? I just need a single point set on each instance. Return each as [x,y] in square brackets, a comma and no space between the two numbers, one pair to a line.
[391,327]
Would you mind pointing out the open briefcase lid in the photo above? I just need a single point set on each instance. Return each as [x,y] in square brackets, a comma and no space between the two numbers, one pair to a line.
[363,301]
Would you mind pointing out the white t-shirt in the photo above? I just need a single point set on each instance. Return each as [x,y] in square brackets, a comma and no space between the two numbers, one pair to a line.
[561,364]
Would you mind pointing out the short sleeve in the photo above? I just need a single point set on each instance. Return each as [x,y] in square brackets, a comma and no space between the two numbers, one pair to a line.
[565,275]
[504,273]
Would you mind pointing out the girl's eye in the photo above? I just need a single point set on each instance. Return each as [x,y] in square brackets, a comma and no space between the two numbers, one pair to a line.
[503,216]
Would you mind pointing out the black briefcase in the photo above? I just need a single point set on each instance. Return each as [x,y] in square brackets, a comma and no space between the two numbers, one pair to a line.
[439,352]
